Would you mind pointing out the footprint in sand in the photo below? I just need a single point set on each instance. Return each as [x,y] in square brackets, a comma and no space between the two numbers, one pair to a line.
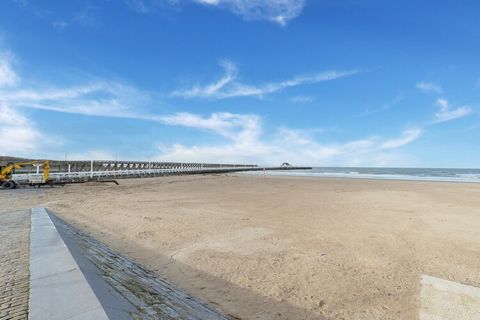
[145,234]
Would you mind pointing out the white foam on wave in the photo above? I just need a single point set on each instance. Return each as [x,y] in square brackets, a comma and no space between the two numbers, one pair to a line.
[467,177]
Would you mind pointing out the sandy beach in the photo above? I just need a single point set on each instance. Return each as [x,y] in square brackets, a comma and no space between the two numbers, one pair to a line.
[283,247]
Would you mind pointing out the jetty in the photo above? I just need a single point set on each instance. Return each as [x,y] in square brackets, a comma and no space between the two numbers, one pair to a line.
[94,170]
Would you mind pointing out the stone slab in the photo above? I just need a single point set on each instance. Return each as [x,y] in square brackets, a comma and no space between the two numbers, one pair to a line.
[448,300]
[58,288]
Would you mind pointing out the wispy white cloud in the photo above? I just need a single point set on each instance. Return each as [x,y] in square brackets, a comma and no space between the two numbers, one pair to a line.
[87,17]
[446,113]
[228,87]
[408,136]
[301,99]
[59,20]
[245,142]
[138,6]
[60,25]
[383,107]
[242,134]
[213,89]
[8,77]
[38,11]
[280,12]
[429,87]
[151,6]
[114,99]
[277,11]
[19,134]
[237,127]
[99,98]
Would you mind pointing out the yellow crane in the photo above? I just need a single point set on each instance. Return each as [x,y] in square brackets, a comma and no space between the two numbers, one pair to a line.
[6,172]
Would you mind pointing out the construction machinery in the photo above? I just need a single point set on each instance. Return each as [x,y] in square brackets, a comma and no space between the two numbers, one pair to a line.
[7,171]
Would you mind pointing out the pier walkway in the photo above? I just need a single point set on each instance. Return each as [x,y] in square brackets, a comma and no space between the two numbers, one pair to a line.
[80,171]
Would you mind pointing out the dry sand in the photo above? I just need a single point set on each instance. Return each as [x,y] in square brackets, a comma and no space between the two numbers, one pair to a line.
[284,247]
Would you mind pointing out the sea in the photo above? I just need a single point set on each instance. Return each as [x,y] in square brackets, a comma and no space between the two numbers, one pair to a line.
[420,174]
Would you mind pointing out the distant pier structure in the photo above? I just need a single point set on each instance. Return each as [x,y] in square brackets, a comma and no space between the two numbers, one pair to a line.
[80,171]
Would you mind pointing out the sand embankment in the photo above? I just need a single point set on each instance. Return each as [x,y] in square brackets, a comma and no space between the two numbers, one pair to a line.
[284,247]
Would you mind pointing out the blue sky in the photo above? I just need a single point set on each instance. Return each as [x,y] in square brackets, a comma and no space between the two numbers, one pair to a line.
[330,82]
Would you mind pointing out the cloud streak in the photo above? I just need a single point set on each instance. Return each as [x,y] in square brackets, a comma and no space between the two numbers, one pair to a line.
[18,133]
[99,98]
[408,136]
[301,99]
[228,86]
[8,77]
[277,11]
[243,138]
[446,113]
[429,87]
[280,12]
[244,142]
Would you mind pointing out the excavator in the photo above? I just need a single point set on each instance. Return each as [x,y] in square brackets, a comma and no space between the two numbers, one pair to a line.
[7,171]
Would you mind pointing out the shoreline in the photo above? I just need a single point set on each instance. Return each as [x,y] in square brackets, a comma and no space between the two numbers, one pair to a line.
[363,177]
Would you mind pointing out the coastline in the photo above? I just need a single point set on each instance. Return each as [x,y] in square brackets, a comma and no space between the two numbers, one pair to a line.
[356,176]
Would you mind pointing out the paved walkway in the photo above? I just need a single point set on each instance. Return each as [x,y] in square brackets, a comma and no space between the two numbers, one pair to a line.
[52,271]
[58,287]
[14,264]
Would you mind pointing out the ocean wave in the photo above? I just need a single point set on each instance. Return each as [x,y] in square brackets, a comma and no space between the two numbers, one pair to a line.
[416,174]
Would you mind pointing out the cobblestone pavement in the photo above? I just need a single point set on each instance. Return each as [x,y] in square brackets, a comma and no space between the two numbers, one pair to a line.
[14,264]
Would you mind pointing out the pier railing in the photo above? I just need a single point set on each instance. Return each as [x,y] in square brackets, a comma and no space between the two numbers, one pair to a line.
[77,171]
